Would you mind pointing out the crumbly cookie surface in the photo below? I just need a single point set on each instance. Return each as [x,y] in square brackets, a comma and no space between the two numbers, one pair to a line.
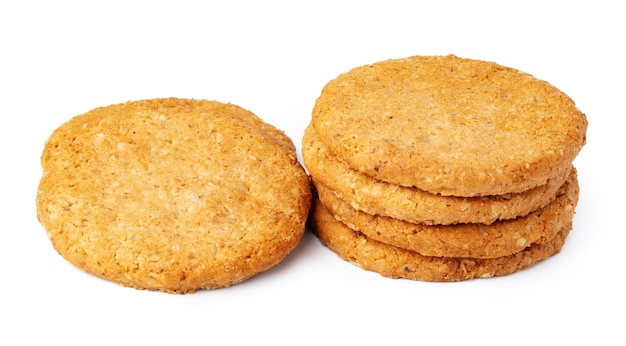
[472,240]
[394,262]
[172,194]
[449,125]
[410,204]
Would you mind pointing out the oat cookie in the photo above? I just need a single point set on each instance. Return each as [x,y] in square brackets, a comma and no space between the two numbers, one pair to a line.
[450,125]
[172,194]
[376,197]
[394,262]
[498,239]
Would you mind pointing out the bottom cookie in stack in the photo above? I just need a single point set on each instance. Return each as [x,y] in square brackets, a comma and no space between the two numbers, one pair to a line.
[399,249]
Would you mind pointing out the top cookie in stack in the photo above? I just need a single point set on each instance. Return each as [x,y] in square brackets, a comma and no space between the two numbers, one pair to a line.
[442,140]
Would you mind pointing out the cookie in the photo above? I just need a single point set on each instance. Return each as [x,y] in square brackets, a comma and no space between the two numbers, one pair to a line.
[498,239]
[394,262]
[172,194]
[449,125]
[376,197]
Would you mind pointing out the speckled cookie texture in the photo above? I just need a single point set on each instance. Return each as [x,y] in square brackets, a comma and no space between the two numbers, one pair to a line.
[440,168]
[450,125]
[172,194]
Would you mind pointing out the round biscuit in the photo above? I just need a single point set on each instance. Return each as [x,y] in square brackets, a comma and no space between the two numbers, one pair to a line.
[450,125]
[172,194]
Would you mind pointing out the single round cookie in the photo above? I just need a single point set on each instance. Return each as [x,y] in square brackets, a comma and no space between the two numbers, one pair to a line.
[172,194]
[410,204]
[449,125]
[394,262]
[498,239]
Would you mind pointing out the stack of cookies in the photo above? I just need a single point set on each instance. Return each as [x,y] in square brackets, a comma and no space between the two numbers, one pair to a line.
[439,168]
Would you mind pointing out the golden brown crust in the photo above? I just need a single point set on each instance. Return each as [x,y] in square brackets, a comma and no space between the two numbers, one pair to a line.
[498,239]
[376,197]
[172,194]
[449,125]
[394,262]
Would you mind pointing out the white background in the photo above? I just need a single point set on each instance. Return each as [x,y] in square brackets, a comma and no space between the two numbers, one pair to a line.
[59,59]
